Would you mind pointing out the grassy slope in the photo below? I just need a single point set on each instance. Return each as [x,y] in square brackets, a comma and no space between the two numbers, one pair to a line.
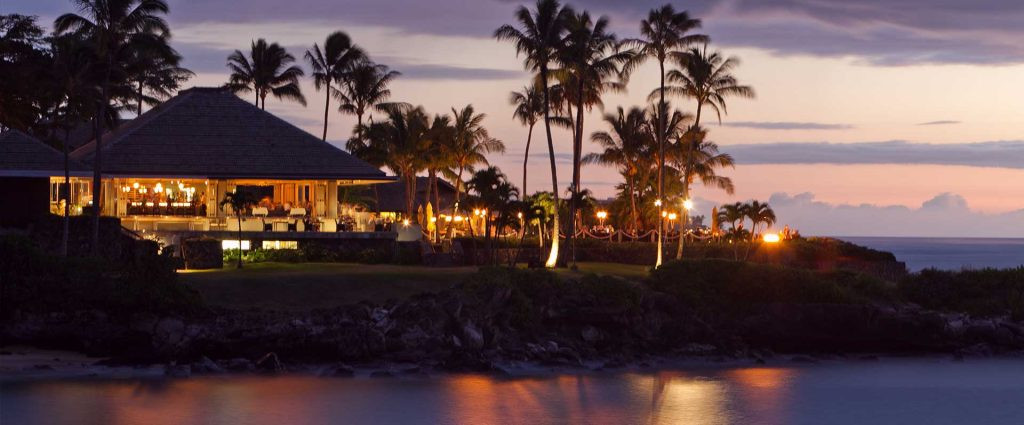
[302,286]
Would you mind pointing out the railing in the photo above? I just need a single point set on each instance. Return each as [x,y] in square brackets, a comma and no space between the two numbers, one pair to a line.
[622,235]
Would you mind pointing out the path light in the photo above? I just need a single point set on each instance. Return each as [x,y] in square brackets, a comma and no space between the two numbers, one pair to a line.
[688,204]
[771,237]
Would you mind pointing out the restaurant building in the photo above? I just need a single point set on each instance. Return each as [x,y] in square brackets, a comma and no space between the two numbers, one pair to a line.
[166,172]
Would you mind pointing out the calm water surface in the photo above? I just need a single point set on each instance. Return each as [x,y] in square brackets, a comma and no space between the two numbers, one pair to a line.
[886,392]
[949,253]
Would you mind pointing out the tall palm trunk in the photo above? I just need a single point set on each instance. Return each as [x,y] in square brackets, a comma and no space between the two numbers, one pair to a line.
[632,204]
[455,206]
[577,149]
[238,214]
[97,189]
[686,179]
[552,260]
[327,108]
[67,194]
[139,110]
[410,195]
[526,159]
[661,159]
[526,156]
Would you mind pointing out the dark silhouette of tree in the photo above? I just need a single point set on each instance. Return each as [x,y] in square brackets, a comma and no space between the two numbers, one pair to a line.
[268,70]
[332,65]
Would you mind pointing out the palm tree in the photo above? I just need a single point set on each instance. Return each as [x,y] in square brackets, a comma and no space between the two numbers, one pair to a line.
[239,201]
[332,64]
[625,147]
[468,147]
[759,213]
[496,194]
[707,79]
[538,39]
[156,73]
[74,76]
[529,107]
[699,158]
[267,70]
[365,87]
[401,143]
[664,31]
[114,27]
[591,59]
[438,160]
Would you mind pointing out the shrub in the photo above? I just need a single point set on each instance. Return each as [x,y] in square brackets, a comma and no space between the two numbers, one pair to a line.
[986,292]
[35,281]
[738,287]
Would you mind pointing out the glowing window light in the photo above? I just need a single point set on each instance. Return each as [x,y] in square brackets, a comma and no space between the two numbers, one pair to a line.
[233,244]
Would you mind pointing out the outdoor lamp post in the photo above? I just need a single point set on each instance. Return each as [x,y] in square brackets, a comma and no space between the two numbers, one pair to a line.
[601,215]
[688,205]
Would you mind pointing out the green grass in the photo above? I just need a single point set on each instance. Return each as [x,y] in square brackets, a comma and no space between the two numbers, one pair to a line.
[625,271]
[305,286]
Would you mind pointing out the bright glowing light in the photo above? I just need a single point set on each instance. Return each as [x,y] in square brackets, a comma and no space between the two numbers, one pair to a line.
[657,203]
[520,215]
[771,237]
[233,244]
[458,218]
[447,218]
[433,219]
[688,204]
[405,222]
[602,214]
[476,211]
[672,216]
[664,214]
[158,188]
[135,185]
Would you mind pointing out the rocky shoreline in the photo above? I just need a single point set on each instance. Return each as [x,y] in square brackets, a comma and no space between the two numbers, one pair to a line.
[481,331]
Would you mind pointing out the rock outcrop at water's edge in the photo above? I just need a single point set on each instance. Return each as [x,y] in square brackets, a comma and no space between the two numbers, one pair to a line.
[477,331]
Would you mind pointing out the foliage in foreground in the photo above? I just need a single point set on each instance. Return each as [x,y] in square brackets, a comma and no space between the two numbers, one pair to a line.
[32,280]
[724,286]
[985,292]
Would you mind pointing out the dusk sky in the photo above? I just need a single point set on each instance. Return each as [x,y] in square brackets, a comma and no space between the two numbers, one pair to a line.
[884,117]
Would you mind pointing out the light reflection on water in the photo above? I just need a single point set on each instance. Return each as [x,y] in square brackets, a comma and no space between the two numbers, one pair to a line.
[908,391]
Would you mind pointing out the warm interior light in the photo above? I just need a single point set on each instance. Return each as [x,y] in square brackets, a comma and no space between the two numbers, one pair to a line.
[664,214]
[405,222]
[135,185]
[671,216]
[602,214]
[688,204]
[657,203]
[771,237]
[520,215]
[158,188]
[458,218]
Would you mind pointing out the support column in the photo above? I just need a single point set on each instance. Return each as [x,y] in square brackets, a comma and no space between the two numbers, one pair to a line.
[332,199]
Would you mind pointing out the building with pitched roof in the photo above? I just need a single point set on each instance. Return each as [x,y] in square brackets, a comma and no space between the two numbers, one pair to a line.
[168,169]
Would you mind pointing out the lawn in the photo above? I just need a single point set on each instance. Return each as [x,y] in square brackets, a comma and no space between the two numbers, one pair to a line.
[304,286]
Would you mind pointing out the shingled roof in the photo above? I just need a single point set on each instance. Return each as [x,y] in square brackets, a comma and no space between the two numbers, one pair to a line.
[22,155]
[210,132]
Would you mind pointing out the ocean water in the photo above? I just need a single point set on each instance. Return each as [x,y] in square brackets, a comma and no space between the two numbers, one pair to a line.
[904,391]
[949,253]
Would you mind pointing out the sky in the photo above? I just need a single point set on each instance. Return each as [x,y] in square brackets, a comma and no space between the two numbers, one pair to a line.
[872,117]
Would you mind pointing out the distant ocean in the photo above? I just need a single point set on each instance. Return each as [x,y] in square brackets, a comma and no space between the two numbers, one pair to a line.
[949,253]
